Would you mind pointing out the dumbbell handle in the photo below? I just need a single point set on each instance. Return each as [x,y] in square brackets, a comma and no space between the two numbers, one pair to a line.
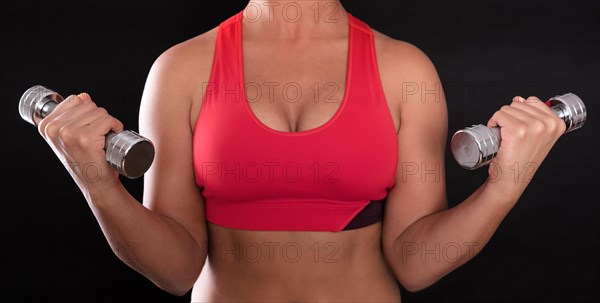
[477,145]
[127,151]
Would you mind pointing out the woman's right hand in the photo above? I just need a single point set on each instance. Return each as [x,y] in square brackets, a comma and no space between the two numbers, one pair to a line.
[76,131]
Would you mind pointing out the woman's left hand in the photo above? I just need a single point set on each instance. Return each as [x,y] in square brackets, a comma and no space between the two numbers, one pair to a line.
[529,129]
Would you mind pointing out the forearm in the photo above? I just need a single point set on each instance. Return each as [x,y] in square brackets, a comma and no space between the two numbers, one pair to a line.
[435,245]
[155,246]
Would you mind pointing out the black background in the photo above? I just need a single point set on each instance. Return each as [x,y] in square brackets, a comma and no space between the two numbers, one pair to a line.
[485,52]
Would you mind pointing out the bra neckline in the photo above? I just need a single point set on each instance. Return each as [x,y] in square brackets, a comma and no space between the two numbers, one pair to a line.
[311,131]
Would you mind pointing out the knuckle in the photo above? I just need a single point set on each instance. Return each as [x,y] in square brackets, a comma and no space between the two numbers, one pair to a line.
[520,105]
[102,111]
[51,129]
[70,97]
[88,104]
[558,125]
[82,141]
[552,124]
[66,134]
[556,119]
[520,131]
[537,126]
[505,108]
[119,123]
[73,99]
[85,96]
[495,115]
[92,104]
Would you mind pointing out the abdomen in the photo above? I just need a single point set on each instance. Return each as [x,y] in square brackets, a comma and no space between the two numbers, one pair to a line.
[284,266]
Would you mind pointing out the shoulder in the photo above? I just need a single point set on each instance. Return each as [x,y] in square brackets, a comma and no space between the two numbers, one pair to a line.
[403,58]
[407,75]
[191,49]
[187,64]
[174,86]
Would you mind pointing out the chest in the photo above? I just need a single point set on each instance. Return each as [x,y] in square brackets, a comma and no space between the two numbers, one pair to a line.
[295,87]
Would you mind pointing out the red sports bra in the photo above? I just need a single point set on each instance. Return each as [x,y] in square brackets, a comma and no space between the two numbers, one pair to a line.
[254,177]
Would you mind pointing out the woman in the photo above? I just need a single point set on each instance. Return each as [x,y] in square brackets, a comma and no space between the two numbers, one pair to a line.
[277,135]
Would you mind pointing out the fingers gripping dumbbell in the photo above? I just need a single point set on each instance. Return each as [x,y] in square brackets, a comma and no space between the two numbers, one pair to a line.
[477,145]
[127,151]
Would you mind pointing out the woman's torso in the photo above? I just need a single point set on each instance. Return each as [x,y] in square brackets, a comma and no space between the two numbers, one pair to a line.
[295,265]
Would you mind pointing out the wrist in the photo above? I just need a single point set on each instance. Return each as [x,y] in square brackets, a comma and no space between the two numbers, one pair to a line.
[101,191]
[503,192]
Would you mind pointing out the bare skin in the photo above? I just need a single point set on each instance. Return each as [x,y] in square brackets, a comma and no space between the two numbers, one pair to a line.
[165,238]
[345,266]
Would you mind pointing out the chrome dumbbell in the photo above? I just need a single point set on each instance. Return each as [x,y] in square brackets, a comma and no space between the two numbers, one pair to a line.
[127,151]
[477,145]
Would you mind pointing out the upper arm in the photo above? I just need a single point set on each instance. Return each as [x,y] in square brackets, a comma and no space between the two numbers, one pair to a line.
[419,189]
[170,91]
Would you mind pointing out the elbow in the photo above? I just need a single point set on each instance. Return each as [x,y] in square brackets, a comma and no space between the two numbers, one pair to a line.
[177,283]
[411,275]
[176,287]
[177,290]
[413,283]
